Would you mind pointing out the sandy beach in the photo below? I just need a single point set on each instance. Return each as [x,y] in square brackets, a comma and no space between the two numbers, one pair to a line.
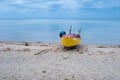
[50,61]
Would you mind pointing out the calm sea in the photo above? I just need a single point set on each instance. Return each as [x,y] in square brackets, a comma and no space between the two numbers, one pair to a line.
[40,30]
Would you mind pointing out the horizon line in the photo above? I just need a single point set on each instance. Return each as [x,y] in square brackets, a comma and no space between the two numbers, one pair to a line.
[66,18]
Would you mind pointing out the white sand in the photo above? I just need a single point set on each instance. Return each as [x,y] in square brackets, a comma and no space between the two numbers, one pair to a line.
[43,61]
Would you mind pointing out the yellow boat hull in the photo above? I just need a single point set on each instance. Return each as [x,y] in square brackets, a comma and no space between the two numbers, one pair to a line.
[70,41]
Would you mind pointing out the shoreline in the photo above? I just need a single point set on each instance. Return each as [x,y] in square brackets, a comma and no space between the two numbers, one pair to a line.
[34,42]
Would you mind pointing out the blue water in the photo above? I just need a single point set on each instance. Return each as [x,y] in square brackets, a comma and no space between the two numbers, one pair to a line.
[93,31]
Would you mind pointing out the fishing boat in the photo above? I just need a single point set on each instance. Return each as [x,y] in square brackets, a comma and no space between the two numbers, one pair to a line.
[70,40]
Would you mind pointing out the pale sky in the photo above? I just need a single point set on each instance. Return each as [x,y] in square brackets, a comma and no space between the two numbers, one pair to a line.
[60,9]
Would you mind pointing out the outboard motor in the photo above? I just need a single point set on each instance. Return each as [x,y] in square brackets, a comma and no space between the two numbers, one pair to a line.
[62,33]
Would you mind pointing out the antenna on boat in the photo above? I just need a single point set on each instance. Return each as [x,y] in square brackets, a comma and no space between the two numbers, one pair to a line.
[79,31]
[70,29]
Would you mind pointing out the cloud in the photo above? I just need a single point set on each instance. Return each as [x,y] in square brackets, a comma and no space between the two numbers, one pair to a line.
[69,4]
[72,4]
[63,4]
[5,7]
[105,4]
[28,7]
[18,1]
[98,5]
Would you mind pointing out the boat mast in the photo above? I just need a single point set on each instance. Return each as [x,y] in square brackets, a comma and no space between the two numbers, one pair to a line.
[70,30]
[79,31]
